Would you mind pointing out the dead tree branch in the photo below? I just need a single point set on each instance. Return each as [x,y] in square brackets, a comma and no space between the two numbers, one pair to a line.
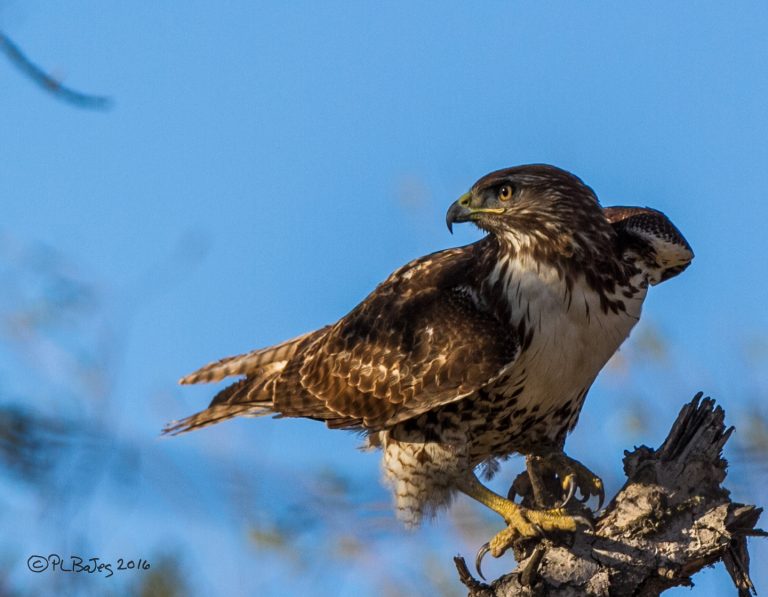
[671,519]
[52,85]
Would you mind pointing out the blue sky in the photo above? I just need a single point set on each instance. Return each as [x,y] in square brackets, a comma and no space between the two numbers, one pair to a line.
[266,164]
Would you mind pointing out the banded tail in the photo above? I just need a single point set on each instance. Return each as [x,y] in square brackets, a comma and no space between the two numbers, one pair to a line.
[246,364]
[241,399]
[252,396]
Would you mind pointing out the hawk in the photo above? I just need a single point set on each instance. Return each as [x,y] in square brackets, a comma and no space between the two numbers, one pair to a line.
[466,356]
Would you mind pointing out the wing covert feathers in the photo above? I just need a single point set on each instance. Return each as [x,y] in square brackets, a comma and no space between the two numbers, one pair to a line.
[652,238]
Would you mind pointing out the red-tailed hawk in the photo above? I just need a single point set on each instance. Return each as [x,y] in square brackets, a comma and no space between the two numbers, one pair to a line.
[471,354]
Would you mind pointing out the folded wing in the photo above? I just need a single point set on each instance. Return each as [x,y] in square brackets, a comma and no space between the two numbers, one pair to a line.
[423,338]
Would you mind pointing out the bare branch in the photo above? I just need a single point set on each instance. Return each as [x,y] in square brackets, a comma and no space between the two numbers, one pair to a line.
[671,519]
[48,82]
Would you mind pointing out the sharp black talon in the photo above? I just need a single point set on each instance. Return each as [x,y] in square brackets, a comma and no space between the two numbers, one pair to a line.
[571,493]
[539,530]
[600,498]
[484,549]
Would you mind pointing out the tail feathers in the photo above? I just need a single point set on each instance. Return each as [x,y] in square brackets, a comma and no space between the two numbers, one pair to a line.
[247,363]
[215,414]
[248,397]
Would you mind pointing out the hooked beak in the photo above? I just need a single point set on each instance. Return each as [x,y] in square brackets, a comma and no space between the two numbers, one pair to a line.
[459,211]
[462,211]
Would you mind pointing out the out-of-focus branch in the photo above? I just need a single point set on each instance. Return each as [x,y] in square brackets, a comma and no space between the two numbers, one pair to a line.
[52,85]
[671,519]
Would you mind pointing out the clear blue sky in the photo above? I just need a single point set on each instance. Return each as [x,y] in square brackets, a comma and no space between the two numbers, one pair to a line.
[266,164]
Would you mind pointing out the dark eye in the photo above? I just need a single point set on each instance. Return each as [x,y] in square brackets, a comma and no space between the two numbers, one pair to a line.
[505,193]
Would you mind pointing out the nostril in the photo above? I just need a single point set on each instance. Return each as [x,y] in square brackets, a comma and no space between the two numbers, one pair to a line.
[464,201]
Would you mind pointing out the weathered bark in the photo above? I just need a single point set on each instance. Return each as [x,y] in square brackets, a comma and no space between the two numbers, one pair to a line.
[671,518]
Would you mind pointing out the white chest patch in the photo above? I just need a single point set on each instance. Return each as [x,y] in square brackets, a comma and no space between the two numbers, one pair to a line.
[573,337]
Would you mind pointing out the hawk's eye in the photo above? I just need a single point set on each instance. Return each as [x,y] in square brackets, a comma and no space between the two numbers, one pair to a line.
[505,193]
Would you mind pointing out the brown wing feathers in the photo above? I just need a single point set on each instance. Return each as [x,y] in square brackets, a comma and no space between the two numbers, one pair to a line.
[445,352]
[418,341]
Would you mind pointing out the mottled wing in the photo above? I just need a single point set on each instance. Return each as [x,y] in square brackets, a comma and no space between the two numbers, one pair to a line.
[652,238]
[420,340]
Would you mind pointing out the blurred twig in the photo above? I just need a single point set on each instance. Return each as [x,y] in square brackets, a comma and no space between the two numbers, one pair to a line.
[28,442]
[52,85]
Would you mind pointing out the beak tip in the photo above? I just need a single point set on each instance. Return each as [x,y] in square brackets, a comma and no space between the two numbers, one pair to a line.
[458,212]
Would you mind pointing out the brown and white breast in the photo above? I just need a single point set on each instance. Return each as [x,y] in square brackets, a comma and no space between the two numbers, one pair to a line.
[573,337]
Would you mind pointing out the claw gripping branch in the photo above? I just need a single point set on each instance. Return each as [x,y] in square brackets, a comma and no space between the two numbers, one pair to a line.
[672,518]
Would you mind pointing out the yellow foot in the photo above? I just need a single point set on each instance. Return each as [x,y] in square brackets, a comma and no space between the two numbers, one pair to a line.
[523,523]
[572,476]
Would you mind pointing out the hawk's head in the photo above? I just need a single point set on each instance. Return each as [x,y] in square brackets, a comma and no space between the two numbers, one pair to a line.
[535,206]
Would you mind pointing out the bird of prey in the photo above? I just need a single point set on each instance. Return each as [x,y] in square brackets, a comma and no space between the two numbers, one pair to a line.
[466,356]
